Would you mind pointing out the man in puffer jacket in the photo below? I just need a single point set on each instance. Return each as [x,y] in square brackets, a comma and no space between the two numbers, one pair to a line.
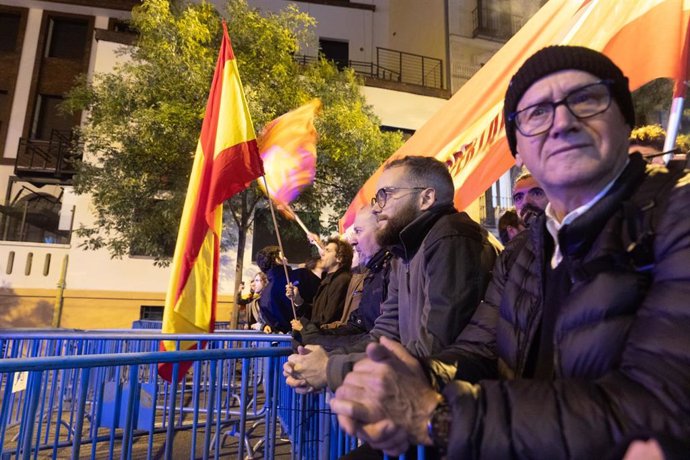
[582,340]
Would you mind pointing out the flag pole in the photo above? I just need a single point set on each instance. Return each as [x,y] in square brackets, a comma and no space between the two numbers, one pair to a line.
[674,117]
[315,241]
[280,243]
[679,90]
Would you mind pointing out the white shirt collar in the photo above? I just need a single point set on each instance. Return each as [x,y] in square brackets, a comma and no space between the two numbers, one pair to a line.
[553,226]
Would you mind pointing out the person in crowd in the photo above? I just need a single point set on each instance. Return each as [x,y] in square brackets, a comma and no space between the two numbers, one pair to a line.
[366,291]
[252,314]
[241,302]
[440,271]
[313,264]
[583,341]
[330,296]
[308,280]
[276,309]
[528,197]
[509,225]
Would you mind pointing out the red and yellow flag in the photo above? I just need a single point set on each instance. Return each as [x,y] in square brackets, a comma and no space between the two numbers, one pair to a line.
[288,149]
[647,39]
[226,161]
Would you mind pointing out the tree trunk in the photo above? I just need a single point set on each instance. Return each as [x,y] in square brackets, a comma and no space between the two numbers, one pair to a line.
[239,266]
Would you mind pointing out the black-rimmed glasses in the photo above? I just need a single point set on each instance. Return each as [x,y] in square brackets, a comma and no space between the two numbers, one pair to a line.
[382,194]
[583,102]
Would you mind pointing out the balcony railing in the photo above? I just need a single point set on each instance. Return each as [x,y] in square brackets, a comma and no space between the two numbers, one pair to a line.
[412,68]
[465,71]
[493,24]
[54,159]
[397,66]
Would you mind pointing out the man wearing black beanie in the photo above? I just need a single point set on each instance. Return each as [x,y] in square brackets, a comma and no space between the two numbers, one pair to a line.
[581,341]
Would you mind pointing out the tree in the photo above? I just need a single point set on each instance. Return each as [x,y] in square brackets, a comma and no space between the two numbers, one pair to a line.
[145,117]
[651,99]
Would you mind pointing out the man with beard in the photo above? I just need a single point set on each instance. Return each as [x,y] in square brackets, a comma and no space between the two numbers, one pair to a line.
[528,197]
[442,265]
[367,290]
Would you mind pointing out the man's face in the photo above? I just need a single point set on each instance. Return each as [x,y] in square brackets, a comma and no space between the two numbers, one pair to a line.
[330,259]
[257,284]
[402,206]
[364,235]
[575,155]
[529,198]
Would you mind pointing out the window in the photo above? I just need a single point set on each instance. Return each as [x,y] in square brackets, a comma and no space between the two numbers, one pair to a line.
[336,51]
[9,31]
[48,117]
[66,38]
[34,217]
[151,312]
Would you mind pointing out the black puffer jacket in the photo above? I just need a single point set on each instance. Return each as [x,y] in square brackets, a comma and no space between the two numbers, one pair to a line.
[622,340]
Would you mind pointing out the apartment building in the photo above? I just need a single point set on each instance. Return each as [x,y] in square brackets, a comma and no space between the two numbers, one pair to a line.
[412,56]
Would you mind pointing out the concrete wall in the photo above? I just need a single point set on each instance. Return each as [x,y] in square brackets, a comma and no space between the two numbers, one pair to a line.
[82,309]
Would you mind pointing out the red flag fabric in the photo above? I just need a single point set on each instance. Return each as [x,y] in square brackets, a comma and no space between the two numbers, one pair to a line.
[226,161]
[646,38]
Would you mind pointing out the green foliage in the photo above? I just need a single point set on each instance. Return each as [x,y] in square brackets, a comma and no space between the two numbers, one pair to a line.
[144,120]
[651,99]
[648,133]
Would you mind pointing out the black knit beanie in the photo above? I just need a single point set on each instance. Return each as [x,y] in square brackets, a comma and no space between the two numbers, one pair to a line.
[554,59]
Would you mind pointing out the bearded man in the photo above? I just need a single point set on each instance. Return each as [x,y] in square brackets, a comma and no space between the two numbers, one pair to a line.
[441,268]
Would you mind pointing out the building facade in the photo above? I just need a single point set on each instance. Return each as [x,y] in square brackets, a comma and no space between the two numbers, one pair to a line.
[412,56]
[46,277]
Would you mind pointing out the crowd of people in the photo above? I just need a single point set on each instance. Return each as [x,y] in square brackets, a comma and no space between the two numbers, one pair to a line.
[570,342]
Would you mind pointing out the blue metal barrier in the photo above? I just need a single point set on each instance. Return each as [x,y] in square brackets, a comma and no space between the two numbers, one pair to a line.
[97,394]
[157,324]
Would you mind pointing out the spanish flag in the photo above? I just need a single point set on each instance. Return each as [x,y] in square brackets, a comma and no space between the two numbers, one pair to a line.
[226,161]
[647,39]
[288,150]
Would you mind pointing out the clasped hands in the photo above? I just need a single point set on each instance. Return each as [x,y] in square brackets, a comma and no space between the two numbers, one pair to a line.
[386,400]
[305,371]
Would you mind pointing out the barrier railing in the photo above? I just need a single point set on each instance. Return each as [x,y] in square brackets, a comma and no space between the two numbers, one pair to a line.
[95,394]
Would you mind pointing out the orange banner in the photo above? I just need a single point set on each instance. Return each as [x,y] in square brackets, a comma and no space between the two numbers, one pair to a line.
[646,38]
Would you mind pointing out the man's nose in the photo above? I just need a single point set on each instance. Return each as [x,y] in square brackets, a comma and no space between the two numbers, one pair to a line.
[563,119]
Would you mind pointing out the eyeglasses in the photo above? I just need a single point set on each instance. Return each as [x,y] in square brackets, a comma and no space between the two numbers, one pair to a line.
[382,195]
[583,103]
[534,192]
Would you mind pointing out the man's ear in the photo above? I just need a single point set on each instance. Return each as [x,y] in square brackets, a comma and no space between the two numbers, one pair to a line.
[427,199]
[518,161]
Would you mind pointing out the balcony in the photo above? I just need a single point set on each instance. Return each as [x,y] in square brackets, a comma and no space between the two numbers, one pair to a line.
[53,160]
[495,25]
[397,66]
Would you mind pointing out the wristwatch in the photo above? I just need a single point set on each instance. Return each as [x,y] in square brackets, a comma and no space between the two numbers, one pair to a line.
[439,425]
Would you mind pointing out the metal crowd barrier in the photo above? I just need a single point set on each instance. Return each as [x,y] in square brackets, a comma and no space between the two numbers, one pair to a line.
[157,324]
[95,394]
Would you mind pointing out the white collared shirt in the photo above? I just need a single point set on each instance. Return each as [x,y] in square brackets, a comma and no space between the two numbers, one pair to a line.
[553,226]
